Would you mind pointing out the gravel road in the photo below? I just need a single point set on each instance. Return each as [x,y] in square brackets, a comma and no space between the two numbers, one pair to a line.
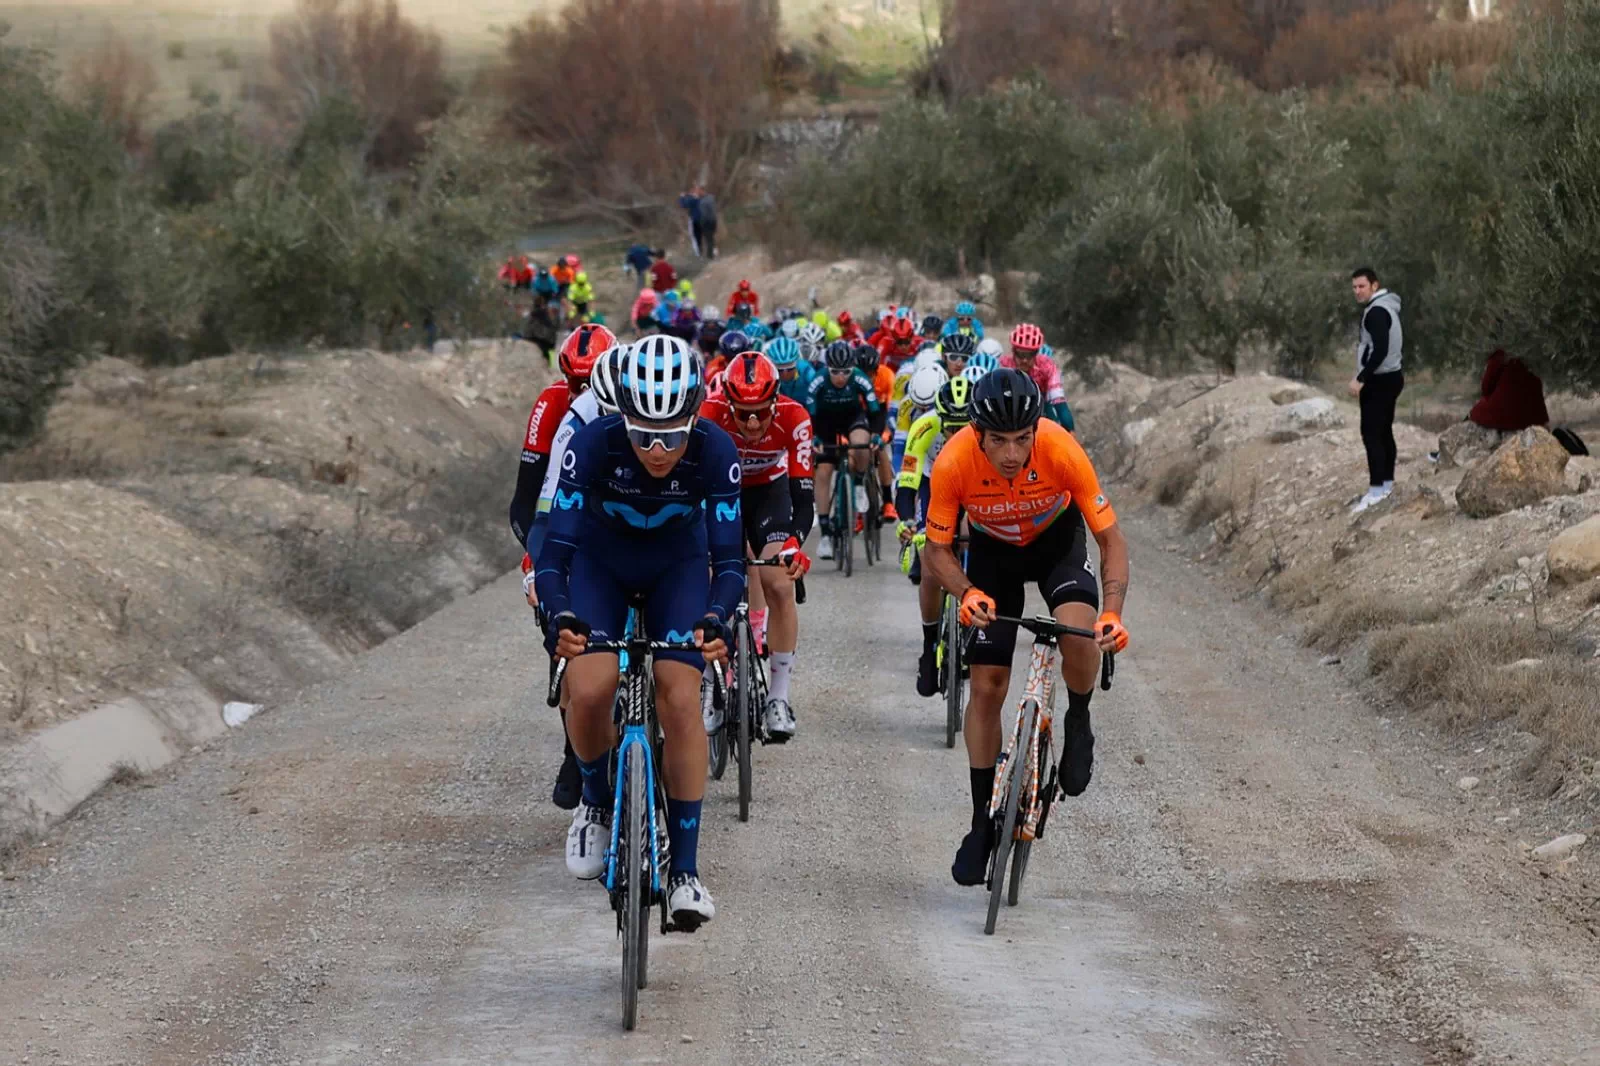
[1266,870]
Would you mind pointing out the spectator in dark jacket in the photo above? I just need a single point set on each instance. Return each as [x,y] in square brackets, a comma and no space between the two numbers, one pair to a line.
[1378,381]
[1512,396]
[638,258]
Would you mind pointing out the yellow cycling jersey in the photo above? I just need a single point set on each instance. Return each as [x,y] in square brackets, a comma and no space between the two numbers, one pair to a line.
[924,440]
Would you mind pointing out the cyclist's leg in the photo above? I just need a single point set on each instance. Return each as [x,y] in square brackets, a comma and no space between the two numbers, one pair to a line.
[591,686]
[677,600]
[886,479]
[859,458]
[1073,595]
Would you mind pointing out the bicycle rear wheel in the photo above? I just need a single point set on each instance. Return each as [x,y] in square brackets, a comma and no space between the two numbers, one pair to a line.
[953,695]
[847,530]
[744,679]
[634,890]
[717,740]
[872,522]
[1015,772]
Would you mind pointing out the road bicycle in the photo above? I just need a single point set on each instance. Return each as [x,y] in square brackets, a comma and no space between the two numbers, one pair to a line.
[949,657]
[845,482]
[638,852]
[745,694]
[1024,785]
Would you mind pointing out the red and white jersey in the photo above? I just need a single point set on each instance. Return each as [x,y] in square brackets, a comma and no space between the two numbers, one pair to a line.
[784,450]
[548,411]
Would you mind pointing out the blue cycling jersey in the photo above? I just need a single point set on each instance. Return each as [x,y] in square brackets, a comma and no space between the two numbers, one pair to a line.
[952,326]
[608,506]
[798,388]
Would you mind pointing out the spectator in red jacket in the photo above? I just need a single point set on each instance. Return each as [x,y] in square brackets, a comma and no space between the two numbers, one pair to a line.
[744,295]
[517,273]
[1512,396]
[663,276]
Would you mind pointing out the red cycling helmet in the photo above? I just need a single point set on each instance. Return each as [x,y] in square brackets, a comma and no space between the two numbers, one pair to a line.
[844,318]
[1027,337]
[583,347]
[751,380]
[744,285]
[902,329]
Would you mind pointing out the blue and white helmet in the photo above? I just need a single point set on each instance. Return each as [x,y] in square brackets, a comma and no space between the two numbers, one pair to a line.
[783,351]
[661,380]
[790,328]
[964,309]
[978,366]
[603,379]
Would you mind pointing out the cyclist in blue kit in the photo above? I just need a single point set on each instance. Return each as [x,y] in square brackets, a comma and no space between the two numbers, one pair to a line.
[645,497]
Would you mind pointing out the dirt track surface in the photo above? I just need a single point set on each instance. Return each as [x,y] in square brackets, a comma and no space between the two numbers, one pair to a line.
[374,874]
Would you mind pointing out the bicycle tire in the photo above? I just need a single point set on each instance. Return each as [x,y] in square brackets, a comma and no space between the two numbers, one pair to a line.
[646,900]
[743,678]
[841,515]
[847,531]
[1019,861]
[1008,829]
[632,873]
[716,742]
[871,545]
[952,672]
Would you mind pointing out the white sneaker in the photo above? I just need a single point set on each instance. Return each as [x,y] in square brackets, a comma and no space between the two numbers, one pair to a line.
[825,547]
[779,720]
[710,713]
[587,840]
[689,903]
[1373,497]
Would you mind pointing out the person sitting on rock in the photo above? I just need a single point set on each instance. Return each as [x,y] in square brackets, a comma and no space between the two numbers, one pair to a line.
[1512,396]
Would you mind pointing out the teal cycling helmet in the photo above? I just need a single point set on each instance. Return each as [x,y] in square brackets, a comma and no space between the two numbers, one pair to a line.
[783,351]
[964,309]
[758,332]
[980,363]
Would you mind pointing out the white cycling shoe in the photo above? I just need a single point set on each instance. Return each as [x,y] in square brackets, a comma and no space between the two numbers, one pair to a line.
[825,547]
[779,720]
[710,713]
[587,840]
[689,903]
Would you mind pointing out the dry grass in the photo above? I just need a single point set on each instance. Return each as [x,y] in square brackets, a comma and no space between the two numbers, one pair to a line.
[1175,480]
[1358,614]
[1469,49]
[1207,508]
[1302,586]
[1478,669]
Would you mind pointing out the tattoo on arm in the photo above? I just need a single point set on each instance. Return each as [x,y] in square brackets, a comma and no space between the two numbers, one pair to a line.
[1117,589]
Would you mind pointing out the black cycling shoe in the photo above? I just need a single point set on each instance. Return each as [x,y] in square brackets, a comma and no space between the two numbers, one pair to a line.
[569,784]
[1077,755]
[928,673]
[972,858]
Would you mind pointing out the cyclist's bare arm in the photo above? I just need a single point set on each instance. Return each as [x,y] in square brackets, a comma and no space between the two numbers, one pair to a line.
[1114,569]
[940,563]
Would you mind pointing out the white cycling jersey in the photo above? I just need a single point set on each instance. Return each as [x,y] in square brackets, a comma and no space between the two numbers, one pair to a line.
[582,411]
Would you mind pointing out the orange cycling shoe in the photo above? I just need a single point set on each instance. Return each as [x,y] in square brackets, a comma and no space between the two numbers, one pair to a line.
[971,600]
[889,512]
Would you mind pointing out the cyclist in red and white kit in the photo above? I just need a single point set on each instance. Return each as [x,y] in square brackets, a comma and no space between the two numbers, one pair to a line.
[1027,342]
[773,435]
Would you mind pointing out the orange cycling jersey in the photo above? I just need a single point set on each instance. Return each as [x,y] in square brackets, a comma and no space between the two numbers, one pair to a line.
[1016,511]
[883,385]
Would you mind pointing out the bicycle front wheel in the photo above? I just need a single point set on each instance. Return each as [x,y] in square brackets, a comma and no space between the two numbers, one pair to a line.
[847,529]
[744,679]
[1015,773]
[872,523]
[717,739]
[634,890]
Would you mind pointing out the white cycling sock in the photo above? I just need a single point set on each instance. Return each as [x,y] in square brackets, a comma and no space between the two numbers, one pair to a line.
[758,625]
[782,663]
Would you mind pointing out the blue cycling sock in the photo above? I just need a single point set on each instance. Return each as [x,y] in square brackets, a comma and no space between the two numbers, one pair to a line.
[597,782]
[683,830]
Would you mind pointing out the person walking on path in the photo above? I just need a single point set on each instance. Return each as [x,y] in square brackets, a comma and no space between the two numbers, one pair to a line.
[702,209]
[637,260]
[663,277]
[1378,381]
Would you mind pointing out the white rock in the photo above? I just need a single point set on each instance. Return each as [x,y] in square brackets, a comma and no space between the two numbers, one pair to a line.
[1560,847]
[235,713]
[1135,432]
[1309,416]
[1467,784]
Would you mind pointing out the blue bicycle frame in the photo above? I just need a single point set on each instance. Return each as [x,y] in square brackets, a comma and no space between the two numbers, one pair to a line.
[635,743]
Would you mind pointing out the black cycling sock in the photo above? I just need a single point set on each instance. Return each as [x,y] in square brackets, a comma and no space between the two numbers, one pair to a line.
[930,636]
[1078,704]
[982,792]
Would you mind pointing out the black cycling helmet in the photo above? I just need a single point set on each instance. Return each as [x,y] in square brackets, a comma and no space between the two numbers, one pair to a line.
[1006,401]
[961,344]
[840,356]
[710,333]
[866,357]
[932,325]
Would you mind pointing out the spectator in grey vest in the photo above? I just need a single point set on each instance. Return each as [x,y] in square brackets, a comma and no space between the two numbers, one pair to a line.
[1378,381]
[702,209]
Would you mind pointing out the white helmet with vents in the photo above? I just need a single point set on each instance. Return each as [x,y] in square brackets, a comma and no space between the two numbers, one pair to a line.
[661,380]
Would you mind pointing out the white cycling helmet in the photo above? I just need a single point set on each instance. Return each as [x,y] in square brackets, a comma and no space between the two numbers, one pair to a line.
[925,384]
[790,328]
[603,380]
[928,357]
[812,334]
[661,380]
[990,346]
